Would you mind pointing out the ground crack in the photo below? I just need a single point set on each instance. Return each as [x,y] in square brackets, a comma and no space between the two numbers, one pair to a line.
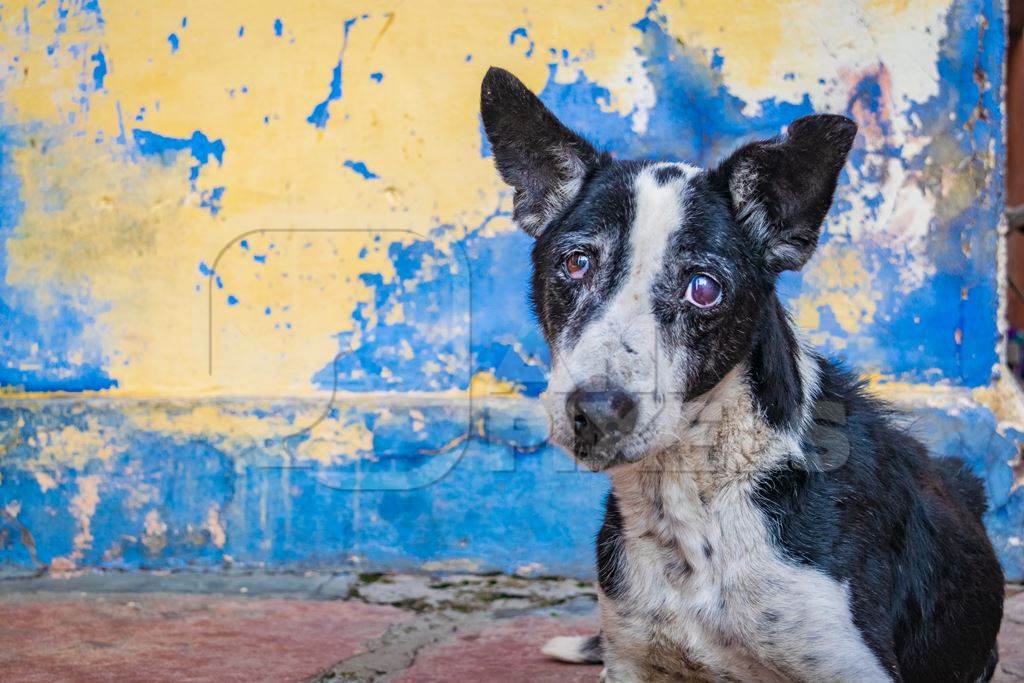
[397,649]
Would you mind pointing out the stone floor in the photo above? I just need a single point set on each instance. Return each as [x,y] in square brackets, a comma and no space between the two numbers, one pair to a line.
[368,627]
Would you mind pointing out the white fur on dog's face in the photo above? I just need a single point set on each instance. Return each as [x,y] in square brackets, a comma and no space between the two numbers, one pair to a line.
[622,346]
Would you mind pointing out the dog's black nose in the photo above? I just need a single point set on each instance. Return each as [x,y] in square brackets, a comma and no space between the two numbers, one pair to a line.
[597,415]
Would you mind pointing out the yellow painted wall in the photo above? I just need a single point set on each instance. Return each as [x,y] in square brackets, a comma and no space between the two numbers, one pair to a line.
[122,235]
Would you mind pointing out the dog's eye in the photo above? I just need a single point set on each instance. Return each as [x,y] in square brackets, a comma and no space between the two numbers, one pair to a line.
[703,291]
[577,264]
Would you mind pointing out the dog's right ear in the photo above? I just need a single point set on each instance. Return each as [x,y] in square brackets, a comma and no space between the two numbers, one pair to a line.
[543,160]
[782,188]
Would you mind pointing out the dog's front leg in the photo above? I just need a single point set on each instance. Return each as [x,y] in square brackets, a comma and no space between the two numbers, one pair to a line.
[835,662]
[622,652]
[626,671]
[619,670]
[629,660]
[802,648]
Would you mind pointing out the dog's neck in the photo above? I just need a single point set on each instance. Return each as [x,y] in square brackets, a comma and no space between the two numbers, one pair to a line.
[723,441]
[751,422]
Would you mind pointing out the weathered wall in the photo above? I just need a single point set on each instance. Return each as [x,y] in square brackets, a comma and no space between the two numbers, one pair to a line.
[254,259]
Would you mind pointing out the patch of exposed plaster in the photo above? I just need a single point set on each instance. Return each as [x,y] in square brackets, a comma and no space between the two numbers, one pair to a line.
[154,535]
[215,527]
[83,507]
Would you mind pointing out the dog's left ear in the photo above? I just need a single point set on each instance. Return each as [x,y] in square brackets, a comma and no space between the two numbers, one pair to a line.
[535,153]
[781,189]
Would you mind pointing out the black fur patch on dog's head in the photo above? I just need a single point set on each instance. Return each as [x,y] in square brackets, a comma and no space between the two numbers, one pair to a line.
[543,160]
[782,188]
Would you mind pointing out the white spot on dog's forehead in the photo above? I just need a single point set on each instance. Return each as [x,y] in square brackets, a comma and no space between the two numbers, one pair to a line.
[660,209]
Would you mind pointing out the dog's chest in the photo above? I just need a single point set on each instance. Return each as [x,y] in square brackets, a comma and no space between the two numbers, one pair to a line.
[699,579]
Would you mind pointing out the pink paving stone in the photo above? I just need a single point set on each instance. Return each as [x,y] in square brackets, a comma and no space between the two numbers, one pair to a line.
[508,651]
[182,638]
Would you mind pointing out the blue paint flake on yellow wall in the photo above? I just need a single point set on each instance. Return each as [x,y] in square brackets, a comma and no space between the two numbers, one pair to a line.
[520,33]
[198,145]
[360,168]
[99,72]
[211,199]
[321,112]
[200,148]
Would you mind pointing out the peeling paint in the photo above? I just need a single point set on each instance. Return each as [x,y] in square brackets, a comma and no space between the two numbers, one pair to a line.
[148,156]
[273,254]
[82,508]
[154,535]
[215,527]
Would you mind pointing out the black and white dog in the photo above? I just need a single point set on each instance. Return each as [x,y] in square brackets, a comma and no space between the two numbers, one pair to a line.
[768,520]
